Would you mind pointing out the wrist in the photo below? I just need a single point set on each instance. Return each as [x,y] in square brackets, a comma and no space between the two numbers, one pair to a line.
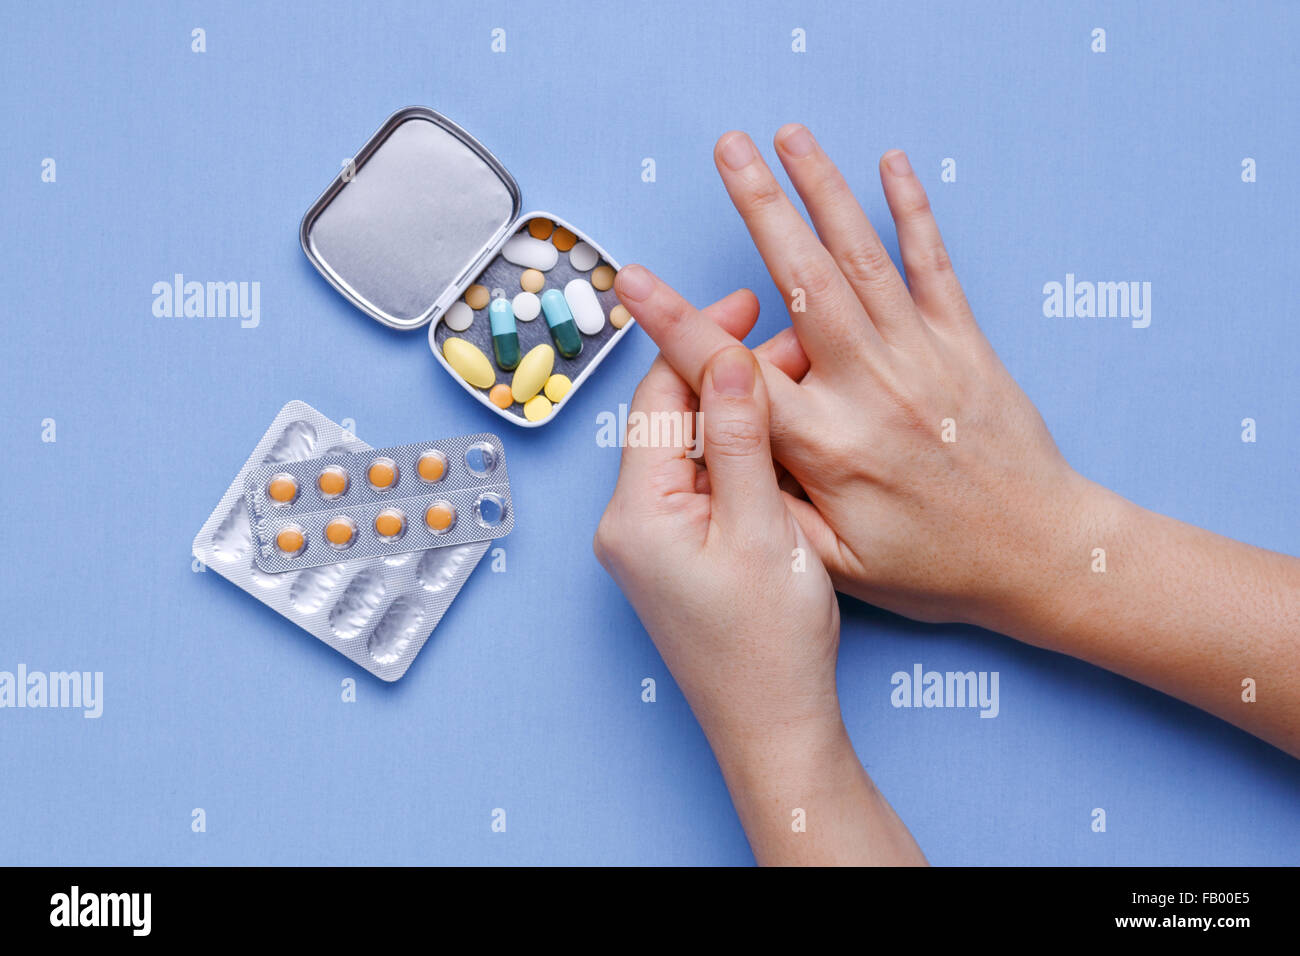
[1054,579]
[782,751]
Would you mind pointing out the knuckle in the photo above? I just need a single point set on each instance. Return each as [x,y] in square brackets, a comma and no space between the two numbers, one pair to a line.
[605,542]
[914,205]
[733,437]
[866,263]
[815,277]
[932,257]
[673,309]
[764,194]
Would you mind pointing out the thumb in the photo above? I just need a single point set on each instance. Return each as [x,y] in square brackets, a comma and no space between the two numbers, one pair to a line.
[734,427]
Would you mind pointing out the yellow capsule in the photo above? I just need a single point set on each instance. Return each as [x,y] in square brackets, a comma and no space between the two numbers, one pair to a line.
[557,386]
[469,363]
[537,408]
[532,373]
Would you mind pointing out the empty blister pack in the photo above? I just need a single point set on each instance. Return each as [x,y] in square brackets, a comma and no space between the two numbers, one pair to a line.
[380,502]
[377,611]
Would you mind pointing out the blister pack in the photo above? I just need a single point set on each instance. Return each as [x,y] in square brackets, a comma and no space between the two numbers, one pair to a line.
[407,498]
[379,610]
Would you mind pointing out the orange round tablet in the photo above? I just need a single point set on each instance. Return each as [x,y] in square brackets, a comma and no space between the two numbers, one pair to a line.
[541,228]
[332,481]
[390,523]
[532,280]
[440,516]
[340,531]
[432,465]
[282,489]
[564,240]
[290,540]
[477,296]
[382,474]
[500,396]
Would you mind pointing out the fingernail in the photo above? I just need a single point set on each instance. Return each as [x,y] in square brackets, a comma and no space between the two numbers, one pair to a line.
[897,162]
[738,151]
[798,141]
[732,373]
[635,282]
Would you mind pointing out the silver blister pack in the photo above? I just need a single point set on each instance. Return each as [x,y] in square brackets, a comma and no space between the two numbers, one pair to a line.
[427,495]
[377,611]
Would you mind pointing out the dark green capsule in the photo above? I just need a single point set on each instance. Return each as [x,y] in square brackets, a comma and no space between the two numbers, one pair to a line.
[505,340]
[563,329]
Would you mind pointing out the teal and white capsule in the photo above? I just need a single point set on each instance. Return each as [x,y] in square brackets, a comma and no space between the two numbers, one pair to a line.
[560,320]
[505,340]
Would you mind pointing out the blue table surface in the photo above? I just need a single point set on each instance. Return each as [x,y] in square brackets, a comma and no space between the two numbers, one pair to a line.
[1122,165]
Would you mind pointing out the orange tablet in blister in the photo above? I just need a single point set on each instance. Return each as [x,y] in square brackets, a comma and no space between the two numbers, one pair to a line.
[290,540]
[382,474]
[332,481]
[541,228]
[341,531]
[390,523]
[432,465]
[563,239]
[440,516]
[282,489]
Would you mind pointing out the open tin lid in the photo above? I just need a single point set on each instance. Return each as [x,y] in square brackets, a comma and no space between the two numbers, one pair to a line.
[421,208]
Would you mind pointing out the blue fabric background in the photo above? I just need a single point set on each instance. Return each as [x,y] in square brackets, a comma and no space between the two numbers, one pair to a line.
[1115,166]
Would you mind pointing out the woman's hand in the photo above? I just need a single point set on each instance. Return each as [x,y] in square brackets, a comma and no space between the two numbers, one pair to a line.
[715,565]
[932,483]
[744,614]
[927,481]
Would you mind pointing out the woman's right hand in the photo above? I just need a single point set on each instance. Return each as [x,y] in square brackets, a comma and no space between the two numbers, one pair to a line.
[933,486]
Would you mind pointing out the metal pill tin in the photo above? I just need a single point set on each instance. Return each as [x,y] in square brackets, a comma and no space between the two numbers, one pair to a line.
[419,215]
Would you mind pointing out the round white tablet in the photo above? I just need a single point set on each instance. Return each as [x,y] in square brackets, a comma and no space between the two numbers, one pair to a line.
[582,257]
[526,306]
[459,317]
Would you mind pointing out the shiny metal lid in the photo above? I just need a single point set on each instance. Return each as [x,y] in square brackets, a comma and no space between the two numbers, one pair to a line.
[422,206]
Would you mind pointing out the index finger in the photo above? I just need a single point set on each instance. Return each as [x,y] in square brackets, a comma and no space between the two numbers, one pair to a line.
[687,339]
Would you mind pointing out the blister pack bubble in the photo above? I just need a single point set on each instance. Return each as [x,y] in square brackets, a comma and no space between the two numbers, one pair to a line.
[377,611]
[379,502]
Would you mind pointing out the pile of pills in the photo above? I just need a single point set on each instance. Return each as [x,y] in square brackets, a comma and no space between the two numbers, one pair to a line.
[572,313]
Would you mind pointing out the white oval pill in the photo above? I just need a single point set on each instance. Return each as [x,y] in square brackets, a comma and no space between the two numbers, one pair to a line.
[459,317]
[582,257]
[531,253]
[584,305]
[526,306]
